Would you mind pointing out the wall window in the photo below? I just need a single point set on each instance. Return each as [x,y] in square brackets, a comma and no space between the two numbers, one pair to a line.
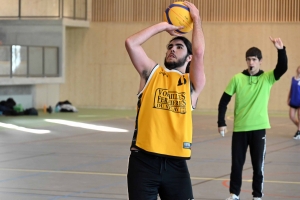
[29,61]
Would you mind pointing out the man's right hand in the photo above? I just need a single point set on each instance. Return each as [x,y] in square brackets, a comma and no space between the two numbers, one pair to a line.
[277,42]
[222,130]
[171,29]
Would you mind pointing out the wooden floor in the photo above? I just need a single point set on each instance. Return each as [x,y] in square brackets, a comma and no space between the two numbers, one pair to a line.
[80,163]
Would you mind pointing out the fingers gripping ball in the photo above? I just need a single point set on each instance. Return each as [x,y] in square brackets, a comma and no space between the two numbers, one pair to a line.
[178,14]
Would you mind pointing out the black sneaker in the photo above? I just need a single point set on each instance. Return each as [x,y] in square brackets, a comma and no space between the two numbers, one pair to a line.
[297,135]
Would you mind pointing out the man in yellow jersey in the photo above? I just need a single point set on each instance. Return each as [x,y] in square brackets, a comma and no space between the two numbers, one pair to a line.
[167,94]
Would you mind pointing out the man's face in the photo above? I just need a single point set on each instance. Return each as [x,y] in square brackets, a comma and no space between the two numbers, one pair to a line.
[253,64]
[176,55]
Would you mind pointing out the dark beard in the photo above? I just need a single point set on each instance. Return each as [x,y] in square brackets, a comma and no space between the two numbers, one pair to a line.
[174,65]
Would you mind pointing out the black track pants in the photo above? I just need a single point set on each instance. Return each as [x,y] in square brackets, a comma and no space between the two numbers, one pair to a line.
[256,140]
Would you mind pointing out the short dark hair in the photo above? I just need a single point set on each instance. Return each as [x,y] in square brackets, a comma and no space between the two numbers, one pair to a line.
[186,42]
[254,51]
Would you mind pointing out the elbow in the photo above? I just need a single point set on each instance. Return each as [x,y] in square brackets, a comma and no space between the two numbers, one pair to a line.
[128,43]
[285,68]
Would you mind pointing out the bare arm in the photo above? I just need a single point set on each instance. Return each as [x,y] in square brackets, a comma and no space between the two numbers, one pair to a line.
[198,46]
[142,63]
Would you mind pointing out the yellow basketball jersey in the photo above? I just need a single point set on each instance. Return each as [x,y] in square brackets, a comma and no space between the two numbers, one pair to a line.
[164,118]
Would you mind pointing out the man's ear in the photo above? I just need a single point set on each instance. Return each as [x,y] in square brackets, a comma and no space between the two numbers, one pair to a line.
[189,58]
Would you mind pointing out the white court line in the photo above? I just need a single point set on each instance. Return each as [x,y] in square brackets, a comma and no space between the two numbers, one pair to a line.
[117,174]
[20,128]
[86,126]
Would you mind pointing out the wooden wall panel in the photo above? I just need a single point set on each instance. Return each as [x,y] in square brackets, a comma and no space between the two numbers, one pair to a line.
[10,9]
[39,8]
[99,72]
[211,10]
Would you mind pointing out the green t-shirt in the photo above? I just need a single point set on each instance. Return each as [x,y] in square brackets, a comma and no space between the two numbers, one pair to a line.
[251,100]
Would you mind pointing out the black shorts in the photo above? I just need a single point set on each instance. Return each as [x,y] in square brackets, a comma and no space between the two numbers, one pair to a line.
[149,176]
[295,107]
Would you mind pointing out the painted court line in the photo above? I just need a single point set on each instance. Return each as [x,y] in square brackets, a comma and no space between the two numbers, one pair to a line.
[118,174]
[85,125]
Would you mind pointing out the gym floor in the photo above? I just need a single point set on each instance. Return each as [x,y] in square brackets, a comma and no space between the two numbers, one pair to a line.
[77,162]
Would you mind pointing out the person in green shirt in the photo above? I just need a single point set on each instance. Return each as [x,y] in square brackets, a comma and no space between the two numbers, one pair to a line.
[252,91]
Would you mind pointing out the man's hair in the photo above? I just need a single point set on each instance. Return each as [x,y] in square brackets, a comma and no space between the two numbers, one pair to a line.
[188,45]
[186,42]
[254,51]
